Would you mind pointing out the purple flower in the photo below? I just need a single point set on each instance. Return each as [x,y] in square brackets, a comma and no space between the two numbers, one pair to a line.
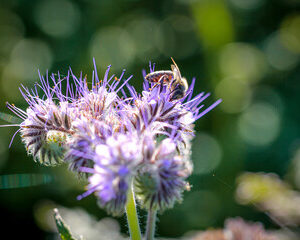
[46,130]
[162,179]
[48,123]
[114,139]
[115,163]
[88,133]
[155,110]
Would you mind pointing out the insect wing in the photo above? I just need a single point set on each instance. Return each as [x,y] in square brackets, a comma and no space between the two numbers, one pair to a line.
[176,72]
[155,77]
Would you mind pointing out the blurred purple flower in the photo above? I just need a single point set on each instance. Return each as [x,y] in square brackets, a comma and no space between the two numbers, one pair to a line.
[238,229]
[115,163]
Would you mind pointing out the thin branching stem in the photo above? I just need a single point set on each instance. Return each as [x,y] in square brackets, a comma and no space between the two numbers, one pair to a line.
[150,228]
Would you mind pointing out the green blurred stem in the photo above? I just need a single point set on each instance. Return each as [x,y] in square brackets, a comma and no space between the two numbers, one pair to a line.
[150,229]
[132,217]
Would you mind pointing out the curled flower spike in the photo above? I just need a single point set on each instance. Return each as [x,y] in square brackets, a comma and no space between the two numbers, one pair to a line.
[88,133]
[115,164]
[97,104]
[82,144]
[48,123]
[156,111]
[153,111]
[161,181]
[46,131]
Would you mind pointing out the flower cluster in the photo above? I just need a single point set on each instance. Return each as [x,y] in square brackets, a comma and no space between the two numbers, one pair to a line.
[113,135]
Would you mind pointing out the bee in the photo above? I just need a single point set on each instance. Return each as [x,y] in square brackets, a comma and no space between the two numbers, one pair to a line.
[172,78]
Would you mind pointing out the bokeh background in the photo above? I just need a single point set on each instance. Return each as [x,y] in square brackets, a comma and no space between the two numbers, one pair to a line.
[244,51]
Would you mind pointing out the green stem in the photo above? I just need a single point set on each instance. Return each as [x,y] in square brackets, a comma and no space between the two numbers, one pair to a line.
[132,218]
[150,229]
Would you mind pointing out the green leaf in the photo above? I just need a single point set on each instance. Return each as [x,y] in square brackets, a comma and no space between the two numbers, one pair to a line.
[63,229]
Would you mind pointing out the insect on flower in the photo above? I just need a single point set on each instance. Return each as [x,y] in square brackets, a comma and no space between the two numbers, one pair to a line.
[173,79]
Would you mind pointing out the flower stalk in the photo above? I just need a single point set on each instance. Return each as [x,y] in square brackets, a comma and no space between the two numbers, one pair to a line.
[150,228]
[132,217]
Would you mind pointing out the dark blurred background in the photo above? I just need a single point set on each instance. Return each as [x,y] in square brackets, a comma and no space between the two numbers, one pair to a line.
[243,51]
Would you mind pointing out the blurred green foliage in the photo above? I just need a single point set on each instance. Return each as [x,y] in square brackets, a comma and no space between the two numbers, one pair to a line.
[243,51]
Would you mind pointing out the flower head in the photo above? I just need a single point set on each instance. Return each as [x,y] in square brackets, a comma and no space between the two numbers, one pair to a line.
[114,139]
[156,111]
[46,131]
[115,163]
[48,126]
[162,179]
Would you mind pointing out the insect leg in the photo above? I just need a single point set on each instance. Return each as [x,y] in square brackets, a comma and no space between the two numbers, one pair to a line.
[161,81]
